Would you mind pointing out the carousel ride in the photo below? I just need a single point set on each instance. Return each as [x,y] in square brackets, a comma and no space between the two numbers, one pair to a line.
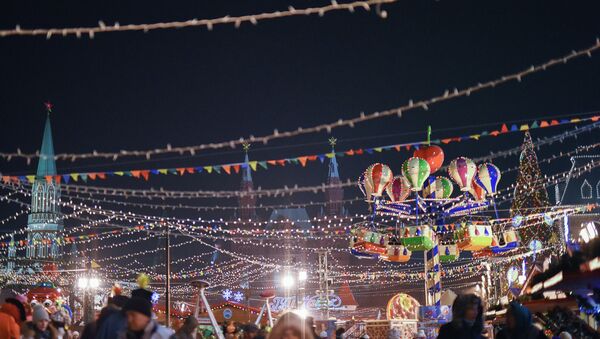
[428,218]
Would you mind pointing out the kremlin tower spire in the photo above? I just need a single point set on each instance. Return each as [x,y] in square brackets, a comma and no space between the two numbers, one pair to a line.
[247,202]
[43,223]
[334,195]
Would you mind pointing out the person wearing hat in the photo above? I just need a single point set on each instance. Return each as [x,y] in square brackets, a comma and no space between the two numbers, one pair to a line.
[110,322]
[519,324]
[140,325]
[40,324]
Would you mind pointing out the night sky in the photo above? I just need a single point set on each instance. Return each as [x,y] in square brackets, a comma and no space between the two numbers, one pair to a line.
[137,90]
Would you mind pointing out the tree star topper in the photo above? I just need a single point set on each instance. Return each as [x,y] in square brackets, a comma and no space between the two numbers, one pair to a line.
[246,146]
[332,141]
[49,106]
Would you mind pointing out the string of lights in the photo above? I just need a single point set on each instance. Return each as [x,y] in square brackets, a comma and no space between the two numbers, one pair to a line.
[76,196]
[207,23]
[328,127]
[285,191]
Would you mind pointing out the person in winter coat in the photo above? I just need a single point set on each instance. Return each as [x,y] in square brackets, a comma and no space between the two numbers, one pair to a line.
[467,319]
[188,329]
[519,324]
[40,326]
[110,321]
[140,324]
[10,317]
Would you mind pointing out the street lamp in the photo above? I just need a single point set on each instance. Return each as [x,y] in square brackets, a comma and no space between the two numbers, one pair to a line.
[88,284]
[287,281]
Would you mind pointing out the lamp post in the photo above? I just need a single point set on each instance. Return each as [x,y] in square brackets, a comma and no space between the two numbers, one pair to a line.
[288,281]
[302,276]
[88,283]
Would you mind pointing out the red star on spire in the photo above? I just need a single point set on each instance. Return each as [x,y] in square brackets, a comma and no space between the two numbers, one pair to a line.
[49,106]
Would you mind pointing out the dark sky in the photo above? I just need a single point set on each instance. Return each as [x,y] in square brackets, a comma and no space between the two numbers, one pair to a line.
[190,86]
[140,91]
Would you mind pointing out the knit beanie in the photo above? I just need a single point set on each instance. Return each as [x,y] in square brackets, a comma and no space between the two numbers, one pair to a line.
[141,305]
[40,313]
[142,293]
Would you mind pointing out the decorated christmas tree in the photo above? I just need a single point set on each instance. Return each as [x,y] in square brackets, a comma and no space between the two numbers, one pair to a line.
[530,196]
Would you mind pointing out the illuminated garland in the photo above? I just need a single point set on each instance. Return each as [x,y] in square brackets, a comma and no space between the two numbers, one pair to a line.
[398,111]
[300,160]
[208,23]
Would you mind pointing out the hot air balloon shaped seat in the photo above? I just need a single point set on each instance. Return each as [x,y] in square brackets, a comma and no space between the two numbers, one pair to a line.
[397,253]
[449,253]
[507,241]
[417,238]
[474,237]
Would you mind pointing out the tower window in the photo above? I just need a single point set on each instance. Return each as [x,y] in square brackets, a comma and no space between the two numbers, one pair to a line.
[586,190]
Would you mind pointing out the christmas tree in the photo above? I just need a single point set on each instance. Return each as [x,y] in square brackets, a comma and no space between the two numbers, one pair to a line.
[530,195]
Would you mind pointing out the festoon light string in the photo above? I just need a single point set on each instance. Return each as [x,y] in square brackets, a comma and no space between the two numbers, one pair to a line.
[208,23]
[411,105]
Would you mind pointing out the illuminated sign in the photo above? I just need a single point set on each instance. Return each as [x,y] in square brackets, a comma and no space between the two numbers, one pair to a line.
[310,303]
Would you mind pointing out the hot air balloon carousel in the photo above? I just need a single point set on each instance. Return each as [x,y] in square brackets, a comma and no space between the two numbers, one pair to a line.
[424,208]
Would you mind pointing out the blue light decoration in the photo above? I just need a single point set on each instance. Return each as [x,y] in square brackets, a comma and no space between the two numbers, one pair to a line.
[535,245]
[227,294]
[517,220]
[548,219]
[238,296]
[512,274]
[154,298]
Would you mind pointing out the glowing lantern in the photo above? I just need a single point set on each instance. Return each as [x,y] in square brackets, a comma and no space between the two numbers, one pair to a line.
[462,170]
[477,191]
[399,189]
[438,188]
[416,170]
[488,176]
[377,177]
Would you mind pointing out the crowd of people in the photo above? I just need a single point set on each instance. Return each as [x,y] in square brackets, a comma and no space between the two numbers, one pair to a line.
[133,318]
[468,322]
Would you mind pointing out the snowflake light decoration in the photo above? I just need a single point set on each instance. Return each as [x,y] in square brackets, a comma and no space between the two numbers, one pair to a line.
[154,298]
[238,296]
[227,294]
